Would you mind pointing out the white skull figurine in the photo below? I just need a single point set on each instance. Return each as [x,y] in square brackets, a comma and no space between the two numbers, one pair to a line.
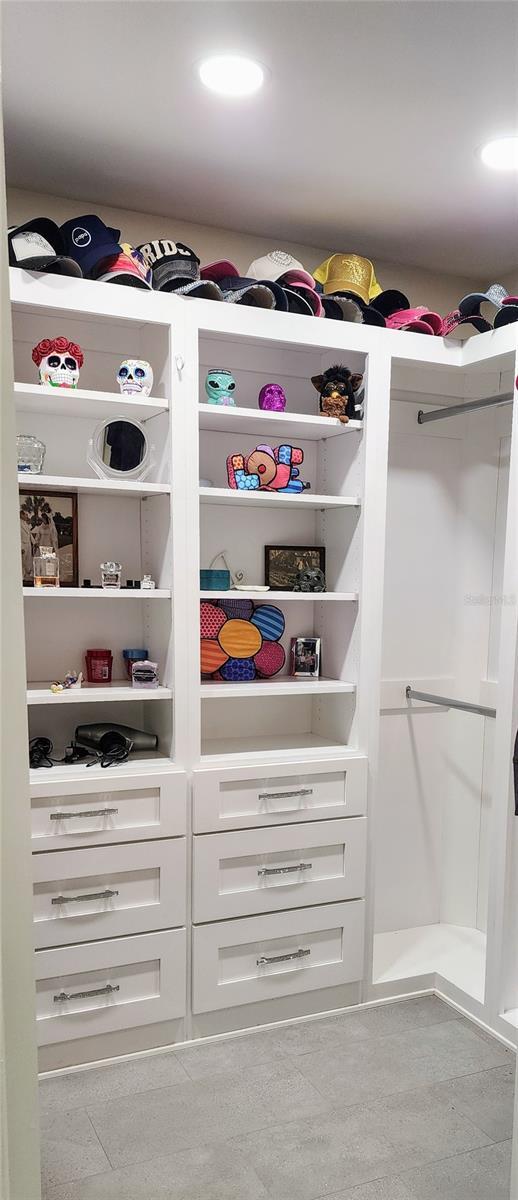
[135,376]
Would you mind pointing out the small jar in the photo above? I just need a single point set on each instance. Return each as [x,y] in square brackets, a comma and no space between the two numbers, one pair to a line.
[31,454]
[147,583]
[45,565]
[111,573]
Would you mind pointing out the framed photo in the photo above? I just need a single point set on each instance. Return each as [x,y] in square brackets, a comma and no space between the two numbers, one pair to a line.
[283,563]
[305,657]
[49,519]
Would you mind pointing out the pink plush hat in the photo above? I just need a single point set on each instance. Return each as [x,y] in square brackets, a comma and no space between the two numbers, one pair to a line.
[416,320]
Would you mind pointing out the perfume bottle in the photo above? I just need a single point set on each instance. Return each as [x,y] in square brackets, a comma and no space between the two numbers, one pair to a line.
[111,573]
[147,583]
[46,567]
[31,453]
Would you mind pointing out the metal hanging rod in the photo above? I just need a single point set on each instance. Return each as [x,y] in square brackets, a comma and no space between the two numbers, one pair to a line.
[449,703]
[439,414]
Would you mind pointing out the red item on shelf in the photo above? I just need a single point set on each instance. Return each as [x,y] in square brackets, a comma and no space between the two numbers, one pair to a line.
[99,666]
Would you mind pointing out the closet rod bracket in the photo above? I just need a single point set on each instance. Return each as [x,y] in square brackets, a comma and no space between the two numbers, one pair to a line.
[448,702]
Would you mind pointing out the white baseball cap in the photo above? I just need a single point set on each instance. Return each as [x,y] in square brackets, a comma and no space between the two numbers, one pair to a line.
[276,264]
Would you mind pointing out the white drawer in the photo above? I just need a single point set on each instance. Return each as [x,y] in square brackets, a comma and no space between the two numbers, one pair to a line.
[259,870]
[239,962]
[104,986]
[76,812]
[246,797]
[108,891]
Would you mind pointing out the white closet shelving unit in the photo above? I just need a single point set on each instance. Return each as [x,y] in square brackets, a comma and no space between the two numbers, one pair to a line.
[285,851]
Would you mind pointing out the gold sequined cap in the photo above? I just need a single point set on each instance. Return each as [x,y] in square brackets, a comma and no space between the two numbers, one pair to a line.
[348,273]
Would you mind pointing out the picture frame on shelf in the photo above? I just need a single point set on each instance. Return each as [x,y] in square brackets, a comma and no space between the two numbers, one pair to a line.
[305,657]
[282,564]
[51,516]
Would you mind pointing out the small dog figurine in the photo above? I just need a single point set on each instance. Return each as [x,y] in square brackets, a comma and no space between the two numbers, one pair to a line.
[341,393]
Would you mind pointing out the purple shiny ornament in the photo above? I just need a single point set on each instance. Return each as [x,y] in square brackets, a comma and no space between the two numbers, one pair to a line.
[272,397]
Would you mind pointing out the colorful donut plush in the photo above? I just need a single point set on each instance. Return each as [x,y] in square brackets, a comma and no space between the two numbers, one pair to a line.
[240,640]
[267,469]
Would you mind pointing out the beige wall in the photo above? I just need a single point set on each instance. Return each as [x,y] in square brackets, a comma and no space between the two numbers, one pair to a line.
[439,292]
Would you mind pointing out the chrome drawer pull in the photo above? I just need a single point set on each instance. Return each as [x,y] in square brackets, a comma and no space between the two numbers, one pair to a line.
[88,812]
[107,895]
[263,962]
[285,795]
[285,870]
[104,991]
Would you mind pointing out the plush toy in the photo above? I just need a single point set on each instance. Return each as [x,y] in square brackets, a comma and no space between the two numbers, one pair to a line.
[266,470]
[220,387]
[272,397]
[341,393]
[240,640]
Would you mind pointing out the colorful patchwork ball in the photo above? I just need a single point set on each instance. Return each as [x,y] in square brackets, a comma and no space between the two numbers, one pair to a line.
[240,640]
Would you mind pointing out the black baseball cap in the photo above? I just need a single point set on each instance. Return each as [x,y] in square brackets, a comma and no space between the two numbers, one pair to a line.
[174,265]
[38,245]
[88,240]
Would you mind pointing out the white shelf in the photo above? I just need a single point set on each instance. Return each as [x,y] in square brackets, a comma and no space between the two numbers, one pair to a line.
[94,487]
[275,597]
[79,402]
[285,685]
[79,593]
[511,1016]
[272,748]
[92,693]
[275,499]
[218,418]
[142,763]
[456,952]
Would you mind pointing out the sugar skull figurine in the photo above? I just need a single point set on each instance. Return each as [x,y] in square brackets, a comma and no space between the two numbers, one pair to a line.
[311,579]
[341,394]
[220,387]
[267,470]
[135,377]
[272,397]
[59,362]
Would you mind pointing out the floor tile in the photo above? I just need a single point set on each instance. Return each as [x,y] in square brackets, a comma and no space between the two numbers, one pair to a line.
[207,1173]
[486,1098]
[70,1148]
[406,1014]
[150,1124]
[229,1055]
[389,1188]
[400,1062]
[79,1088]
[310,1159]
[480,1175]
[327,1033]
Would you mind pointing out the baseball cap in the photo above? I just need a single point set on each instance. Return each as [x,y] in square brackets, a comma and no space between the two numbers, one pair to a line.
[416,320]
[88,241]
[276,265]
[350,273]
[176,268]
[507,314]
[455,318]
[307,293]
[127,268]
[495,294]
[38,245]
[238,289]
[226,273]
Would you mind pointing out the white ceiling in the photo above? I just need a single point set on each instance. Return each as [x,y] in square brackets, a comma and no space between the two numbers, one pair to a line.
[364,138]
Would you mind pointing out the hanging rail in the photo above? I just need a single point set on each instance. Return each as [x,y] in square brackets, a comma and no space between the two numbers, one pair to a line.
[449,703]
[439,414]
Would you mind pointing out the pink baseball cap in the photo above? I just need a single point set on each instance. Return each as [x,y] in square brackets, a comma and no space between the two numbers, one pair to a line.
[297,277]
[416,320]
[219,270]
[303,289]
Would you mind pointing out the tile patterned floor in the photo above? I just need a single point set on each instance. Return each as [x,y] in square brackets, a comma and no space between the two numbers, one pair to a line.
[403,1102]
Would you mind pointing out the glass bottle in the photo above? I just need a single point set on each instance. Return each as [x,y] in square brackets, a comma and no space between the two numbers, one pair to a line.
[46,567]
[111,574]
[31,454]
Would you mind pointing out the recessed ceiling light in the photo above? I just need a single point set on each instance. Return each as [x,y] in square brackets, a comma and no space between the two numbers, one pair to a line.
[231,75]
[501,154]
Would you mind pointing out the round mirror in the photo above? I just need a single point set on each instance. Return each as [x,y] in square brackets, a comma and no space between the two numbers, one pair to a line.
[120,448]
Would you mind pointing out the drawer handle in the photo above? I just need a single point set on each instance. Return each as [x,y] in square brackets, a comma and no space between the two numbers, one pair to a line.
[88,812]
[104,991]
[302,866]
[107,895]
[285,795]
[264,962]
